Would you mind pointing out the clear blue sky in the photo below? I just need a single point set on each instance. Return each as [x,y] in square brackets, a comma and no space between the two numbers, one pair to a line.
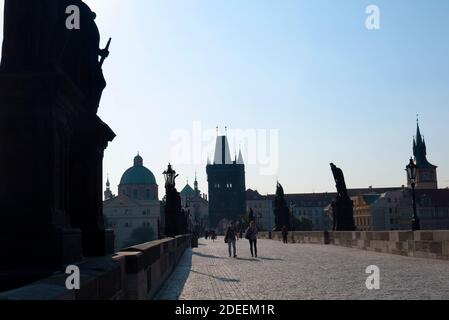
[336,91]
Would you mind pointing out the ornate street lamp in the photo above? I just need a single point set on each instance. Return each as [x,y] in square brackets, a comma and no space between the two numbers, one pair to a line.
[173,208]
[411,173]
[170,176]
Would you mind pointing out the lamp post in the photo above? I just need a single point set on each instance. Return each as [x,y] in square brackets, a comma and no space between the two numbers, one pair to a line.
[170,176]
[411,173]
[172,204]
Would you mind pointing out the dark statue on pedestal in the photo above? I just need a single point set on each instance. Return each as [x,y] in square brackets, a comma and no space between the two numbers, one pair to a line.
[342,206]
[281,211]
[51,139]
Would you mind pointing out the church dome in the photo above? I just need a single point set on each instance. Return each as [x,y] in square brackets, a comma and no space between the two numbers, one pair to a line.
[138,174]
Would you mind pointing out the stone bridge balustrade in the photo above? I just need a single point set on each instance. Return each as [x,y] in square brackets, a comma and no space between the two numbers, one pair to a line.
[421,244]
[134,273]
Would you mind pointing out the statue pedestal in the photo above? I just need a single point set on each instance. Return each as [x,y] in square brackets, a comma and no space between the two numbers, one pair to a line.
[35,232]
[85,204]
[28,255]
[50,178]
[344,209]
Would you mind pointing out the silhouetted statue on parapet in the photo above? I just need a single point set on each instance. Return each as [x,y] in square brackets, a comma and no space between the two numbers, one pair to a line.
[36,39]
[281,211]
[342,206]
[51,84]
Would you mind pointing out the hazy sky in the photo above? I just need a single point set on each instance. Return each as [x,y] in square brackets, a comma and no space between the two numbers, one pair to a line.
[332,90]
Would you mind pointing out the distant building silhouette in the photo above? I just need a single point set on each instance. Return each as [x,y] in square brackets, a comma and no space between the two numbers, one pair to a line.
[196,202]
[136,206]
[226,179]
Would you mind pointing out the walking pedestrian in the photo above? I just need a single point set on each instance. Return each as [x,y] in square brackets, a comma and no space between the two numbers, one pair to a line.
[231,238]
[251,235]
[285,234]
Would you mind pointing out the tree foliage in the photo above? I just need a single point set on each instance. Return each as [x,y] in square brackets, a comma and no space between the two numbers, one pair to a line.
[141,235]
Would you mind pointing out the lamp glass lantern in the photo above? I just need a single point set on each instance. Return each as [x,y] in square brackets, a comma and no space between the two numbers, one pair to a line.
[411,171]
[170,176]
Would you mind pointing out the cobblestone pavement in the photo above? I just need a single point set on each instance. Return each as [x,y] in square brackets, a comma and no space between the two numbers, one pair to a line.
[301,271]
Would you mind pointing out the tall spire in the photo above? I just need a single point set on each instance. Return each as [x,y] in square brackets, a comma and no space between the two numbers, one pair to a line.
[108,193]
[420,149]
[418,133]
[195,185]
[240,159]
[222,154]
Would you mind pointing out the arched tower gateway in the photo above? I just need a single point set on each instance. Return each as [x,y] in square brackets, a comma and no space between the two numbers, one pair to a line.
[426,174]
[138,182]
[226,180]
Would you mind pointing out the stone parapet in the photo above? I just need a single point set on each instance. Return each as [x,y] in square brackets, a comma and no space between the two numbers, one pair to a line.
[134,273]
[422,244]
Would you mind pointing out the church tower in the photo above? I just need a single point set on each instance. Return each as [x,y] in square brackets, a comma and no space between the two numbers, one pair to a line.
[226,180]
[108,193]
[426,175]
[195,186]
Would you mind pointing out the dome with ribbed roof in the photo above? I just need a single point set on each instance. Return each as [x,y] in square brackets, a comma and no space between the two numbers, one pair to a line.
[138,174]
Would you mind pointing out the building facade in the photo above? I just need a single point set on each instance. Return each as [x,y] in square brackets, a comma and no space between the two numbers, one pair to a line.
[226,181]
[135,214]
[393,210]
[262,207]
[363,215]
[311,206]
[197,204]
[386,210]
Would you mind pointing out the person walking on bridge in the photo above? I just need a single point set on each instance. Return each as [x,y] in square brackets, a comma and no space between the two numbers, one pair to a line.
[251,235]
[231,238]
[285,234]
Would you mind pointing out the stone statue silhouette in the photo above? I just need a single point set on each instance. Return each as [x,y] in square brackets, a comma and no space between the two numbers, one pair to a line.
[36,39]
[342,206]
[51,83]
[281,211]
[339,181]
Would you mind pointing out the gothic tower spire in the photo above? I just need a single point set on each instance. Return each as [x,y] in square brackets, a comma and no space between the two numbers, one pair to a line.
[195,186]
[426,172]
[108,193]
